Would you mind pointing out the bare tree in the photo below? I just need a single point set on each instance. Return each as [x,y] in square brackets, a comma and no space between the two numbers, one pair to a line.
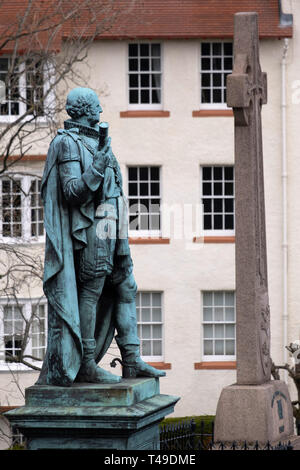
[47,41]
[294,374]
[46,45]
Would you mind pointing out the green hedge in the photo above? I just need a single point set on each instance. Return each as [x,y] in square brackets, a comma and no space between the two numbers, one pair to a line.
[206,419]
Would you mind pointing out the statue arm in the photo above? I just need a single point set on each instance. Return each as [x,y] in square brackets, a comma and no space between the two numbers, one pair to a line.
[77,187]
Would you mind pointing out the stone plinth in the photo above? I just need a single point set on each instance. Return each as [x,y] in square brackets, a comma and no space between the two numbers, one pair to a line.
[254,413]
[93,416]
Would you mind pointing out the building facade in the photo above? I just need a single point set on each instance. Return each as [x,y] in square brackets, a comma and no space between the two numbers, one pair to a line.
[165,101]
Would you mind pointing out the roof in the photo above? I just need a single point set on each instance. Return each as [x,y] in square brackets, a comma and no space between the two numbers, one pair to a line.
[131,19]
[186,19]
[3,409]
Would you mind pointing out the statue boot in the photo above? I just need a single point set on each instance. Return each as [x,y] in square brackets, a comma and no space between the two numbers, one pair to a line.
[89,371]
[129,344]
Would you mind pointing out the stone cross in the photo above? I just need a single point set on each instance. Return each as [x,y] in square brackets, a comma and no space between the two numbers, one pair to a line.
[255,408]
[246,92]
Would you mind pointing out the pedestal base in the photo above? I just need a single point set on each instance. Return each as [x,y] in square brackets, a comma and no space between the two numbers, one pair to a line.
[93,416]
[254,413]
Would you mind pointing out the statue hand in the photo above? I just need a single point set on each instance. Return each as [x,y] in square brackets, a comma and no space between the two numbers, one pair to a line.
[102,157]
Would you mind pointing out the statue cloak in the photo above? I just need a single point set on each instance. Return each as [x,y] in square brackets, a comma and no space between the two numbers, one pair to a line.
[64,348]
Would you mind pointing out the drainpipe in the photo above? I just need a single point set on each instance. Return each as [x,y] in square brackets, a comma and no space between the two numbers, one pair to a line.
[284,203]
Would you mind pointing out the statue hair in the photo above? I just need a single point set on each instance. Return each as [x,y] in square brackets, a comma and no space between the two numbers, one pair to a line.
[79,102]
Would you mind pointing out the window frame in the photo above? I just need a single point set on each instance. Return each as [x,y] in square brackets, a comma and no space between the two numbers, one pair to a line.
[153,358]
[39,332]
[27,305]
[211,106]
[217,232]
[216,357]
[145,233]
[145,106]
[49,103]
[26,222]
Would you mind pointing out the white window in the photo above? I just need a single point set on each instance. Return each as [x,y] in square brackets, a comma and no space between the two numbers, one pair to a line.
[36,208]
[215,64]
[21,208]
[26,87]
[38,331]
[144,200]
[13,331]
[218,323]
[23,332]
[217,189]
[150,325]
[145,76]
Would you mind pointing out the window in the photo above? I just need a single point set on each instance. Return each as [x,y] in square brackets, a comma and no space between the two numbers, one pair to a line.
[13,331]
[218,326]
[150,325]
[11,208]
[38,331]
[11,106]
[25,88]
[144,200]
[15,320]
[34,87]
[215,64]
[144,76]
[21,208]
[218,199]
[37,211]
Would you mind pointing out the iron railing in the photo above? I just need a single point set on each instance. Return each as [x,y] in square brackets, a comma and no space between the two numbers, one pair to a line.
[186,435]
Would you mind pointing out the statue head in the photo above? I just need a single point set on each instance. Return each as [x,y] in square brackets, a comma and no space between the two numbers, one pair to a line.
[83,105]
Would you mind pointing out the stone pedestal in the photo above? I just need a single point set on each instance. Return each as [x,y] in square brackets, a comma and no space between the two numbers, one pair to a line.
[122,416]
[254,413]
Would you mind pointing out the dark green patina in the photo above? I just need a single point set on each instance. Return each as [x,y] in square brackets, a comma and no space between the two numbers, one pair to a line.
[94,416]
[91,290]
[88,277]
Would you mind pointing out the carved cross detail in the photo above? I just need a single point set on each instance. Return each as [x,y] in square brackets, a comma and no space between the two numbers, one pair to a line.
[247,86]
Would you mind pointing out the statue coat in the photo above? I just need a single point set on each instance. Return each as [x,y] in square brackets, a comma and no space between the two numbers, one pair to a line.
[66,229]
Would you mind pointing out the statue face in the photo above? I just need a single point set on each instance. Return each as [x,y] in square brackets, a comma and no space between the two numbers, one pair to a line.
[95,110]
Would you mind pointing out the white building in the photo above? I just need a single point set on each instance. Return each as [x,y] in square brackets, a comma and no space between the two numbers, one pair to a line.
[164,80]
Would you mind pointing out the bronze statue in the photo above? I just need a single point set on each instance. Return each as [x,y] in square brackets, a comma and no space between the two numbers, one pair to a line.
[88,277]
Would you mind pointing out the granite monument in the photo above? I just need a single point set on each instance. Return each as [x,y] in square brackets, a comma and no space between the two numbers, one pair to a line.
[255,408]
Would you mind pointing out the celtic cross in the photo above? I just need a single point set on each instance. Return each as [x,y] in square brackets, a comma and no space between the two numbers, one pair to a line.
[246,93]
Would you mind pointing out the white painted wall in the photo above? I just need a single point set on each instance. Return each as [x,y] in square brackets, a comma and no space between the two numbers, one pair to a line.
[180,144]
